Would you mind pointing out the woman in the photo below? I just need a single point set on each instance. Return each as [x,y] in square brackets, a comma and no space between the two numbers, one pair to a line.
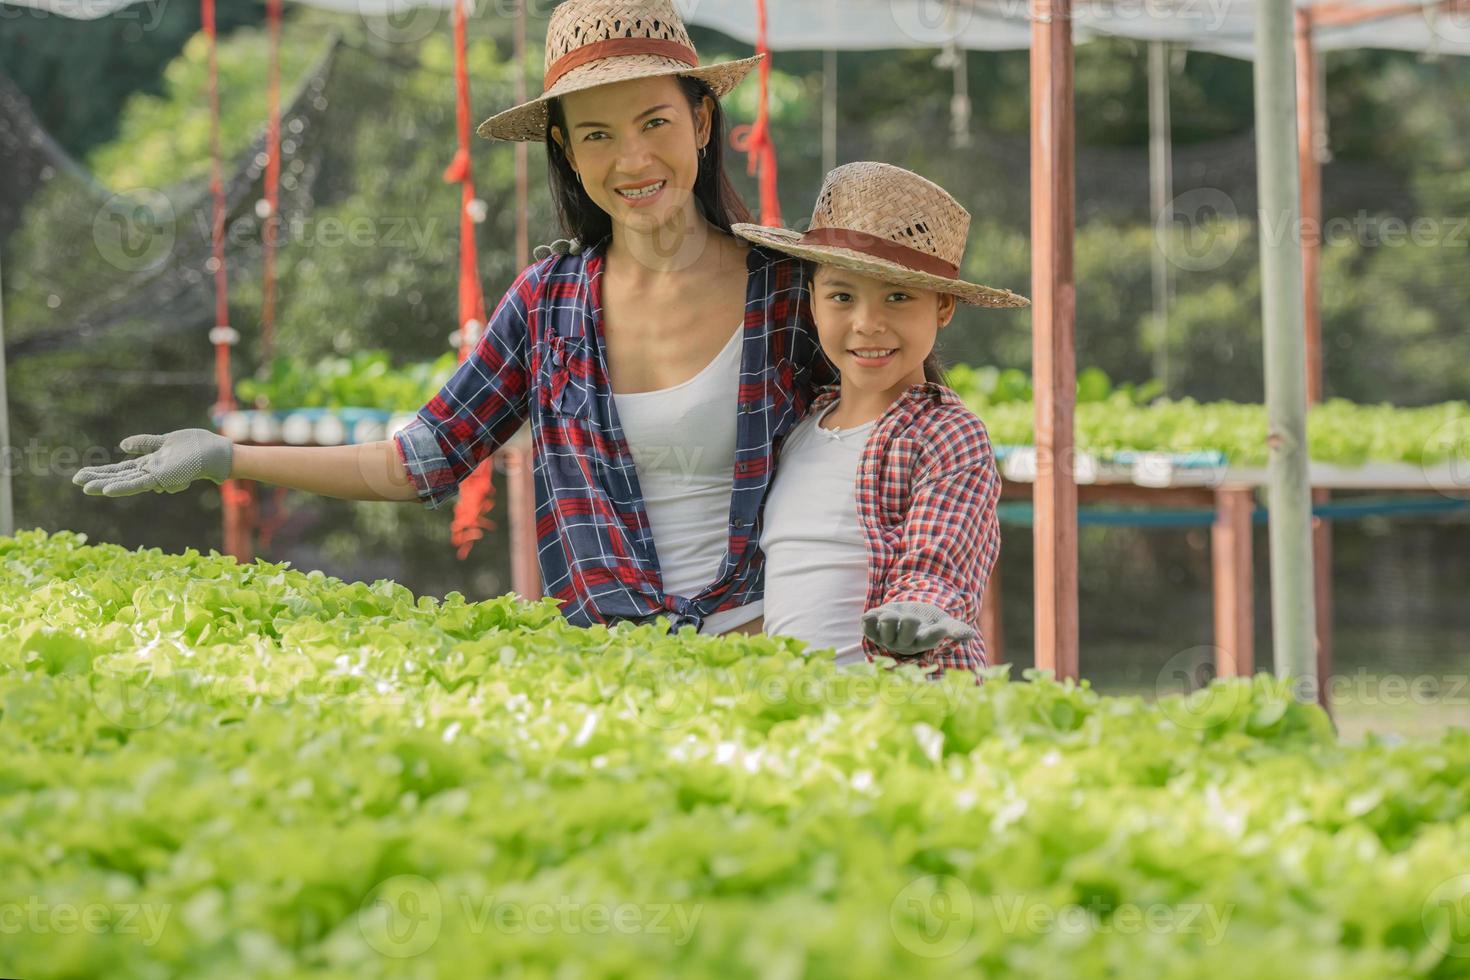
[658,368]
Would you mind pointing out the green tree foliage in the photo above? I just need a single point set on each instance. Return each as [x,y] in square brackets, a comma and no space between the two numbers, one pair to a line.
[80,74]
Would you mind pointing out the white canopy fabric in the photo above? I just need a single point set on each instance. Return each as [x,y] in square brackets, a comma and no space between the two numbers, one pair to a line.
[1220,26]
[93,9]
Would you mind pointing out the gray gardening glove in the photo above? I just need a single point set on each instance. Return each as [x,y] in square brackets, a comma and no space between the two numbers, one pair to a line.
[562,246]
[171,463]
[912,627]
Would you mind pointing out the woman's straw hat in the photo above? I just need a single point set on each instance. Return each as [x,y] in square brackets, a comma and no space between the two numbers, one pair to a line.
[889,223]
[597,42]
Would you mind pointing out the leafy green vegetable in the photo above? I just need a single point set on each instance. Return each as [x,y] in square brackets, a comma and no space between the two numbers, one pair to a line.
[1110,419]
[225,770]
[366,379]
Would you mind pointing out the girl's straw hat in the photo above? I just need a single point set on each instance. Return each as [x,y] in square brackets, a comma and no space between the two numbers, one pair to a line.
[597,42]
[889,223]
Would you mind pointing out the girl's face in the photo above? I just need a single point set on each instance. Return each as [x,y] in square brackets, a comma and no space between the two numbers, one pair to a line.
[635,146]
[876,333]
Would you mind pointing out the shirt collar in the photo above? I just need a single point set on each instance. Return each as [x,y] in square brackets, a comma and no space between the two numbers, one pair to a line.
[911,398]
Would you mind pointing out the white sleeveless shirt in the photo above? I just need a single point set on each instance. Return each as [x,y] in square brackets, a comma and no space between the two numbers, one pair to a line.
[816,551]
[683,444]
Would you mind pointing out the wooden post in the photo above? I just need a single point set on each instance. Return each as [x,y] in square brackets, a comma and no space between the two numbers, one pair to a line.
[1309,162]
[525,568]
[1053,353]
[990,625]
[238,500]
[1230,556]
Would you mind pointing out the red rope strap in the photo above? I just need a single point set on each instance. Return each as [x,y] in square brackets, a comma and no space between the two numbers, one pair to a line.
[477,492]
[761,148]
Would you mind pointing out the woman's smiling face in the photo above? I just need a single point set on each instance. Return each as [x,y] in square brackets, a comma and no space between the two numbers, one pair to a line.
[635,146]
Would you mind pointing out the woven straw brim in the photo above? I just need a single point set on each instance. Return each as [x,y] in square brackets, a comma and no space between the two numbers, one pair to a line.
[527,122]
[788,241]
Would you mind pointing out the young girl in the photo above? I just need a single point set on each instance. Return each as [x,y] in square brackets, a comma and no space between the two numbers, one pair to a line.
[880,527]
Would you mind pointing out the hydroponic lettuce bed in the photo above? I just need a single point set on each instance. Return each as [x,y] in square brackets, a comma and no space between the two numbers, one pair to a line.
[1123,432]
[216,770]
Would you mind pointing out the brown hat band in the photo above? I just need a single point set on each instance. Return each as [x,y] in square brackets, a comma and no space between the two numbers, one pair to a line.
[618,47]
[881,248]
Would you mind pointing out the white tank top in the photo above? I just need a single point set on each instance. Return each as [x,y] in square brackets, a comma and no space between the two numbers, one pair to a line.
[816,552]
[683,444]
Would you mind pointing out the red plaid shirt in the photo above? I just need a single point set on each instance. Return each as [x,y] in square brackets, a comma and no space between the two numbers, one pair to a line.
[927,490]
[541,358]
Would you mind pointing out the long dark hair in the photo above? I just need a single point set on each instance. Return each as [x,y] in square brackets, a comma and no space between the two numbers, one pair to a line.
[934,368]
[583,220]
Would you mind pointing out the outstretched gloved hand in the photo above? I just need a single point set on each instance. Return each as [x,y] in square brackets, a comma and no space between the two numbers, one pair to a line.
[912,627]
[168,464]
[561,246]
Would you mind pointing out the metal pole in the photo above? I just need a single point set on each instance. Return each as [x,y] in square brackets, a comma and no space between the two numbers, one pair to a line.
[1293,605]
[956,57]
[7,506]
[829,110]
[1161,191]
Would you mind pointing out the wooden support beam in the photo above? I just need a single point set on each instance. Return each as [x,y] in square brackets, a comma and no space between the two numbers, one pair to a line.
[1230,557]
[1309,163]
[1053,351]
[990,624]
[237,498]
[1310,167]
[525,568]
[1122,493]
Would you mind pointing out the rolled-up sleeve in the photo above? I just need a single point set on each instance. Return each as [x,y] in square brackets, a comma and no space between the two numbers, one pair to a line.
[480,407]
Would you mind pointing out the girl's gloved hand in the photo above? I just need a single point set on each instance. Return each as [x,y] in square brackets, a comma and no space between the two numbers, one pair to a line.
[912,627]
[562,246]
[169,464]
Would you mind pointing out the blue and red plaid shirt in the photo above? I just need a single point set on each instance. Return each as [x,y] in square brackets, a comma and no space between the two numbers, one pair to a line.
[541,357]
